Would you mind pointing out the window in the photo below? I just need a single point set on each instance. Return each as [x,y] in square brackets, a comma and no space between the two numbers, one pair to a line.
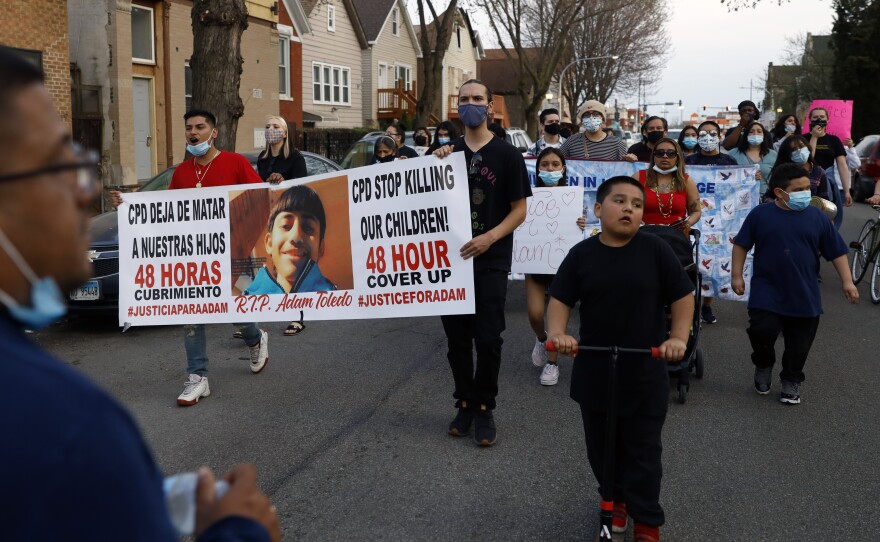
[188,85]
[284,67]
[395,28]
[458,34]
[331,18]
[403,76]
[142,44]
[331,85]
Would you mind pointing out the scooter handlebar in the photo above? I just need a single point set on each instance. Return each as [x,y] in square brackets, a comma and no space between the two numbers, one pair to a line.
[654,351]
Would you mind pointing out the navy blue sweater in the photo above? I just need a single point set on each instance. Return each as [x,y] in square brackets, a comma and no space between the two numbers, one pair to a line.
[73,464]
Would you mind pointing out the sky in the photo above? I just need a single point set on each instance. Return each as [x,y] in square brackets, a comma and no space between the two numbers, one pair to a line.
[714,51]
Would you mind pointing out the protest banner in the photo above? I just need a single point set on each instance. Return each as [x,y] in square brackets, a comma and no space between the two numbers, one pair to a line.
[550,229]
[727,194]
[840,114]
[373,242]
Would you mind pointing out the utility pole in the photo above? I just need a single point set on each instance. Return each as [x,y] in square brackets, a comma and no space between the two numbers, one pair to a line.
[750,87]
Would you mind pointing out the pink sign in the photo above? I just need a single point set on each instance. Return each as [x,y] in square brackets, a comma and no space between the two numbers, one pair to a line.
[839,117]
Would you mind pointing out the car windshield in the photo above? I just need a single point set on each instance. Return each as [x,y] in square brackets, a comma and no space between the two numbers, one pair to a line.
[159,182]
[359,154]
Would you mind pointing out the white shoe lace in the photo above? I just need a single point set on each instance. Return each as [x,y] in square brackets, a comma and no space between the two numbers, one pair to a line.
[255,351]
[190,385]
[550,371]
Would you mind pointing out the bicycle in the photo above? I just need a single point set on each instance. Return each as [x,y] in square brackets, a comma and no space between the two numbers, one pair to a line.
[865,252]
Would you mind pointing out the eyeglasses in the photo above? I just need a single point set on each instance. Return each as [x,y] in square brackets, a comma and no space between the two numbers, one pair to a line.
[476,162]
[668,153]
[392,134]
[86,166]
[713,133]
[594,114]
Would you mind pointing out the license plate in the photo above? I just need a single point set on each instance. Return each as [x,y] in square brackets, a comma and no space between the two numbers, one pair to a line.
[89,291]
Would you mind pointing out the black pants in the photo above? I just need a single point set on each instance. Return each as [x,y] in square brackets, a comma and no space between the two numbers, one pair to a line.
[638,466]
[483,331]
[798,333]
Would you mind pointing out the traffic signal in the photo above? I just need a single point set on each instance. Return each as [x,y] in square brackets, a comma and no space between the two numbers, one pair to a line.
[704,107]
[727,108]
[679,103]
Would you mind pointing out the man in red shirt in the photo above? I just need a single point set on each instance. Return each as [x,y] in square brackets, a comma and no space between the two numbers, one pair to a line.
[209,166]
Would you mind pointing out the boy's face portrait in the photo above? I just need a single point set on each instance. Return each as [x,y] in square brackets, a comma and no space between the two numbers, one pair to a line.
[295,238]
[621,212]
[801,184]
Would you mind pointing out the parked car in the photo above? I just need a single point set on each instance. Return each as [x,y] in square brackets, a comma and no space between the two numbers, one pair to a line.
[674,133]
[863,178]
[101,292]
[628,138]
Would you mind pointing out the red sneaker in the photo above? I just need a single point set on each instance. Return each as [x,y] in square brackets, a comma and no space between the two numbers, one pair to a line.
[646,533]
[620,519]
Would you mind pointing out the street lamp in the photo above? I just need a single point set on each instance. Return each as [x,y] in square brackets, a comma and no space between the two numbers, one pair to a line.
[572,63]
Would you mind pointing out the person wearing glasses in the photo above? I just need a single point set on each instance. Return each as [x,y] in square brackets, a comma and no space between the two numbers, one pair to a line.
[550,137]
[499,186]
[708,139]
[72,434]
[593,143]
[398,133]
[671,197]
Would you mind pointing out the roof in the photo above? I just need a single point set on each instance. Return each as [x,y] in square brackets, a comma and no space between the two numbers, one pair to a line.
[820,47]
[373,14]
[309,6]
[462,17]
[494,69]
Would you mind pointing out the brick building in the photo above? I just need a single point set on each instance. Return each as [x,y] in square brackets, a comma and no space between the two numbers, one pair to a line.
[38,29]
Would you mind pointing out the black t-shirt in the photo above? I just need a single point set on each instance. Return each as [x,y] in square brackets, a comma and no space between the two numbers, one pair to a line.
[292,167]
[622,293]
[641,150]
[500,179]
[700,159]
[828,148]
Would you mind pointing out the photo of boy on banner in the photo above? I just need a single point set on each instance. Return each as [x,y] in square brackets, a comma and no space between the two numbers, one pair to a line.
[282,242]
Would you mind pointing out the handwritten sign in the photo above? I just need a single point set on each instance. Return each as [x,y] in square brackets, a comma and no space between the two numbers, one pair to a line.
[840,114]
[550,229]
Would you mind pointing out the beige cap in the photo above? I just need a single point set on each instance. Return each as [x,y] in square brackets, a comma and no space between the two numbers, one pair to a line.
[591,105]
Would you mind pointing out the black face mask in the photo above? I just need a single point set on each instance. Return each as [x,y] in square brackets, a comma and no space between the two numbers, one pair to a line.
[654,137]
[421,141]
[565,132]
[553,129]
[822,123]
[385,160]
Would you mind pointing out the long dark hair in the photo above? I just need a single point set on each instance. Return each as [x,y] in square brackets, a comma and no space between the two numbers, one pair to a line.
[744,144]
[681,136]
[783,156]
[778,130]
[551,150]
[678,178]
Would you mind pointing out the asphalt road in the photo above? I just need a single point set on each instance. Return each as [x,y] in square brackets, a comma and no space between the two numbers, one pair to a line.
[347,426]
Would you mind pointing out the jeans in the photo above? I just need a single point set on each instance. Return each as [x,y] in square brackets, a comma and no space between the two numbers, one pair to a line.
[638,468]
[196,345]
[798,333]
[483,331]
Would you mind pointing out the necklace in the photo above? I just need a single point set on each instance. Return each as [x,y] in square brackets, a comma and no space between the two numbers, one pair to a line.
[664,213]
[201,174]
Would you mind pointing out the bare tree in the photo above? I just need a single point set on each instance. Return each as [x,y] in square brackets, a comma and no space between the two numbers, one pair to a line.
[431,74]
[736,5]
[631,30]
[535,35]
[217,63]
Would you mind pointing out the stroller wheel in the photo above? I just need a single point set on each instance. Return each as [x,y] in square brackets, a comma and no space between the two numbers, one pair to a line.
[698,363]
[682,393]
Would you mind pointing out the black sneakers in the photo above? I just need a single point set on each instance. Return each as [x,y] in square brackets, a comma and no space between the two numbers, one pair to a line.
[707,315]
[461,425]
[763,376]
[484,427]
[791,393]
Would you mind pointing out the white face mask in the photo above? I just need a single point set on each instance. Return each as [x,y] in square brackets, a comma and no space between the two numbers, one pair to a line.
[592,124]
[46,300]
[708,143]
[665,171]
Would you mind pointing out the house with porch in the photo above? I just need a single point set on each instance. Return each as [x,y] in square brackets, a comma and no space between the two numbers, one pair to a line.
[389,61]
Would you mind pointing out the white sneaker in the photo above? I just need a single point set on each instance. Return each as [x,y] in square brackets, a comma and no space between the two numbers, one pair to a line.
[194,389]
[550,375]
[260,353]
[539,354]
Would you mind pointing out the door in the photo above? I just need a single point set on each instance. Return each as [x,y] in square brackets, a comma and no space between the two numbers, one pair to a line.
[382,81]
[142,98]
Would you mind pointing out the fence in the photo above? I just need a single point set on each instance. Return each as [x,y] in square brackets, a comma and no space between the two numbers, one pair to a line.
[332,143]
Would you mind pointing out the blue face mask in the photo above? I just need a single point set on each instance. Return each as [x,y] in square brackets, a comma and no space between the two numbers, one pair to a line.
[472,115]
[755,139]
[551,178]
[47,301]
[800,156]
[798,201]
[443,140]
[200,149]
[689,142]
[790,128]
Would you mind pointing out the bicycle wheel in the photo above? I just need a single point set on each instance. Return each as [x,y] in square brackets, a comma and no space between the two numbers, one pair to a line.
[875,281]
[861,249]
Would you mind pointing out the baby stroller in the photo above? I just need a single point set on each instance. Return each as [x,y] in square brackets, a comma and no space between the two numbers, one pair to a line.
[688,251]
